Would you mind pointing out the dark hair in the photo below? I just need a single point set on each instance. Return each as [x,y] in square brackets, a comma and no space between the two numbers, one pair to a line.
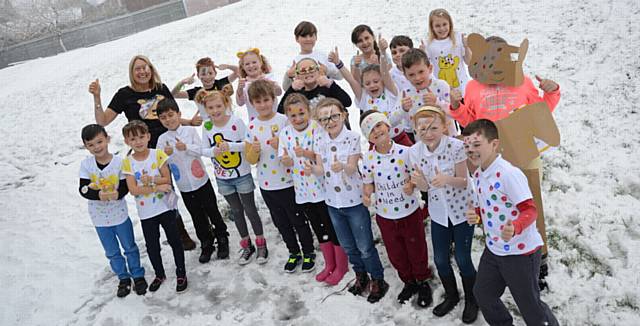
[305,28]
[361,29]
[205,62]
[366,113]
[89,132]
[369,68]
[484,127]
[296,98]
[414,56]
[135,127]
[166,105]
[261,88]
[401,40]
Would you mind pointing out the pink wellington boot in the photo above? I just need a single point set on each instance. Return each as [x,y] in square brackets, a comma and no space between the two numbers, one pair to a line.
[342,266]
[329,261]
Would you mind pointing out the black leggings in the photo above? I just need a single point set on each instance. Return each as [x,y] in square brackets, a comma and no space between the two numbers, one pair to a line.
[202,204]
[288,217]
[318,216]
[151,232]
[241,204]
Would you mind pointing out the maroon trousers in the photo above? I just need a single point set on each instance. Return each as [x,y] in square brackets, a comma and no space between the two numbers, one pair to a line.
[406,246]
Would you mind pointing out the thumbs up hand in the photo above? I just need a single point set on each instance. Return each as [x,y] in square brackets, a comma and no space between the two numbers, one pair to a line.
[336,166]
[508,231]
[274,141]
[145,179]
[419,179]
[422,46]
[454,98]
[168,149]
[357,59]
[286,159]
[407,102]
[298,150]
[94,87]
[308,167]
[180,145]
[255,145]
[334,56]
[382,43]
[440,180]
[429,98]
[472,217]
[546,85]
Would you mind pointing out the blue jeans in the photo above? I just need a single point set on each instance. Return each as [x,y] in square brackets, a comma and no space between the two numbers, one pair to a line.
[241,185]
[112,237]
[461,236]
[353,229]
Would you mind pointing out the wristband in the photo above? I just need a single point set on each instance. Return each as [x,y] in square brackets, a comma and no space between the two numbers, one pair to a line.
[340,65]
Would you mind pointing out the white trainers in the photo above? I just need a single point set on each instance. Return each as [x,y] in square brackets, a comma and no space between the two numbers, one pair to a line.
[246,254]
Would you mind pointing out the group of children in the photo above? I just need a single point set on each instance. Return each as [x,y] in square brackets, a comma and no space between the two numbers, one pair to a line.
[313,174]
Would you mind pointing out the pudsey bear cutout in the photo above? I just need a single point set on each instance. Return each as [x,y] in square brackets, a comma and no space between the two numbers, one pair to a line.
[492,64]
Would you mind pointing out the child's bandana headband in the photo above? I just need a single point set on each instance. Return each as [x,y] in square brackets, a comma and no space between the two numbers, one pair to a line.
[371,121]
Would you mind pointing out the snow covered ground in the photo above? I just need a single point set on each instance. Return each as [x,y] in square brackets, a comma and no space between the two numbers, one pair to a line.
[52,265]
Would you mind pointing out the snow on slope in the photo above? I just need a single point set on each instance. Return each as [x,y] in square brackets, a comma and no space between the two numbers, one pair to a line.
[52,265]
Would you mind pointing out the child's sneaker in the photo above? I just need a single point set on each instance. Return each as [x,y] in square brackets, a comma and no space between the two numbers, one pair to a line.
[424,294]
[223,247]
[140,285]
[378,289]
[410,288]
[246,251]
[155,285]
[181,285]
[309,263]
[263,252]
[205,255]
[292,263]
[124,288]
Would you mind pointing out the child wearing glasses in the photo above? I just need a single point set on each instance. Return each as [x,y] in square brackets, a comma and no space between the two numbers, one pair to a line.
[311,81]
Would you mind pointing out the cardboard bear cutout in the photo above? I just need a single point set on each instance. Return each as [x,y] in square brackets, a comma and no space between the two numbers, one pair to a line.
[496,63]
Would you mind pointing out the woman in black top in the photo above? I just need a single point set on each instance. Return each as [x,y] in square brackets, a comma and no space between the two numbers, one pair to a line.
[138,101]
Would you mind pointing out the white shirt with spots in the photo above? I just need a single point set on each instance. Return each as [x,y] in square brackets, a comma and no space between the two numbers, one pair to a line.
[186,166]
[389,172]
[272,175]
[342,190]
[441,90]
[309,188]
[389,105]
[111,212]
[448,202]
[251,110]
[153,204]
[500,188]
[233,163]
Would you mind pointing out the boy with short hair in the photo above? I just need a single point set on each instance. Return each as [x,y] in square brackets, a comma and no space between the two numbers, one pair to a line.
[425,90]
[149,181]
[105,187]
[276,184]
[507,211]
[399,45]
[183,145]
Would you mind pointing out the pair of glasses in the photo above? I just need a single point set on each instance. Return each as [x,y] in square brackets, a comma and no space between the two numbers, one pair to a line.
[307,70]
[334,117]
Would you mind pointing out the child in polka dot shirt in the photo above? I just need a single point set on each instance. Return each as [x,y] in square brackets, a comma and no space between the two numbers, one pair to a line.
[295,149]
[274,179]
[440,169]
[386,171]
[512,254]
[337,154]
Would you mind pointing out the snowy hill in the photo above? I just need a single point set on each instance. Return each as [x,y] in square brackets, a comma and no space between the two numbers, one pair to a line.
[52,265]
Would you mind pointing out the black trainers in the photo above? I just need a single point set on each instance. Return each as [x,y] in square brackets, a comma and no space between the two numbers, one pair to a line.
[378,289]
[361,284]
[205,255]
[407,292]
[155,285]
[308,263]
[292,263]
[424,294]
[223,247]
[140,285]
[124,288]
[544,271]
[181,285]
[246,254]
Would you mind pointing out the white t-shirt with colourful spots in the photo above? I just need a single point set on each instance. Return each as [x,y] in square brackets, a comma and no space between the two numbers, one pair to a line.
[389,173]
[342,190]
[309,188]
[388,104]
[448,62]
[272,175]
[111,212]
[448,202]
[251,110]
[186,166]
[231,164]
[441,90]
[500,188]
[153,204]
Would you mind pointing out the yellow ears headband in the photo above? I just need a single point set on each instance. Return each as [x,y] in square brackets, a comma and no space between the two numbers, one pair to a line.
[241,54]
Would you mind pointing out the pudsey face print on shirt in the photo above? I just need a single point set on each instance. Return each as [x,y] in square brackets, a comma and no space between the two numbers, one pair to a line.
[148,107]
